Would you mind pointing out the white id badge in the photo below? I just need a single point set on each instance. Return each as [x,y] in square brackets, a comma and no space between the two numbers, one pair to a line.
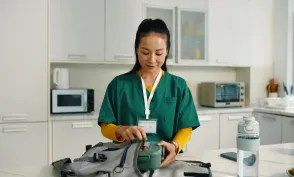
[149,126]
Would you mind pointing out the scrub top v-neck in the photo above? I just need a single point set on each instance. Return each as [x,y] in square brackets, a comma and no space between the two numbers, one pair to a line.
[172,105]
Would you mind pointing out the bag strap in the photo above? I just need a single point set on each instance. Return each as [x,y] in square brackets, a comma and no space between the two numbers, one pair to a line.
[201,164]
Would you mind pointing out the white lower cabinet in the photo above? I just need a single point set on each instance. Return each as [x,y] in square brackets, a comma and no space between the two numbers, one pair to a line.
[229,128]
[270,128]
[205,137]
[288,130]
[23,144]
[71,137]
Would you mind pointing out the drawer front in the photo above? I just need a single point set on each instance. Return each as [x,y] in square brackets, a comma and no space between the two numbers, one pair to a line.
[23,144]
[205,137]
[71,137]
[228,129]
[270,128]
[288,130]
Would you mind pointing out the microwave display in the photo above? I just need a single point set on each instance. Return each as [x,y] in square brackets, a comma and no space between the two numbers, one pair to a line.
[227,93]
[69,100]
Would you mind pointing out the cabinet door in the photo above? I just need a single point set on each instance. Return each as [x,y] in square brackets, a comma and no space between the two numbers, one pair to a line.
[288,130]
[229,32]
[122,21]
[205,137]
[270,128]
[71,137]
[23,68]
[192,36]
[23,145]
[229,129]
[167,14]
[77,30]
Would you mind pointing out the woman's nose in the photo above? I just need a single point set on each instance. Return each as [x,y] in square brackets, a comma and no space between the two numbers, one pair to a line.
[153,58]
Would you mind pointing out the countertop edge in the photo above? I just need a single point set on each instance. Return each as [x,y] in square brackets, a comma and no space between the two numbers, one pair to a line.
[200,111]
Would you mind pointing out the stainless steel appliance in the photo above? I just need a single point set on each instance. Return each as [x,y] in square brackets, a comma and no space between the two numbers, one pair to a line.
[222,94]
[71,101]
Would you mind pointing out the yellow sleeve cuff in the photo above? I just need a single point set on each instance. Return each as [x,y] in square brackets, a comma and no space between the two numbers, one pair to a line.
[182,137]
[108,131]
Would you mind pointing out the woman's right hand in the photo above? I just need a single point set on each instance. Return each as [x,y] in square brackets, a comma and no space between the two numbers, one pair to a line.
[130,133]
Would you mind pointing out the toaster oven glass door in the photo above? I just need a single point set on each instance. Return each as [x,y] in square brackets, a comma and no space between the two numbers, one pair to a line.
[228,93]
[69,101]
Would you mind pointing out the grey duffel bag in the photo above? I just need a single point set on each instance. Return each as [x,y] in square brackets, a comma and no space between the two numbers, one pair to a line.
[120,160]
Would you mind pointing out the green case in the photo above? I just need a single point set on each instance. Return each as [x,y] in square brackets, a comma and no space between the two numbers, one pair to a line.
[151,158]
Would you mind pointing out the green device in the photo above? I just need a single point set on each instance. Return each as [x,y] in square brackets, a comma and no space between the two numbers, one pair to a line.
[150,156]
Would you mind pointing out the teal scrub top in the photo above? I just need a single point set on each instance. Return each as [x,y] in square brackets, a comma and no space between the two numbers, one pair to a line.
[172,105]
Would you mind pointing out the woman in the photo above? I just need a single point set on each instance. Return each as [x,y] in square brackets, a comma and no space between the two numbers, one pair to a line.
[163,111]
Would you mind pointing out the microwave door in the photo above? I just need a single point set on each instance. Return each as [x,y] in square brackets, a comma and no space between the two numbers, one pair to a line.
[227,93]
[232,93]
[66,102]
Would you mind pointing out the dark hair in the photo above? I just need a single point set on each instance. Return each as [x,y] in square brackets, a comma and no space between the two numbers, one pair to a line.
[147,26]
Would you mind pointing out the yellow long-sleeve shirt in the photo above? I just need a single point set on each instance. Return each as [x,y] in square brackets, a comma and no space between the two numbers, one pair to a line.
[182,137]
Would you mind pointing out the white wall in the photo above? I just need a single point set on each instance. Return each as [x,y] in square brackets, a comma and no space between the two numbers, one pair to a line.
[262,48]
[98,76]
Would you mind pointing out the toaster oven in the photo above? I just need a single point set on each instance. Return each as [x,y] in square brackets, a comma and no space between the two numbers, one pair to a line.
[222,94]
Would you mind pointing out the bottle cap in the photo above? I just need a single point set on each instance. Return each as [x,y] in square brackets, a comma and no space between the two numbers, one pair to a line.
[248,126]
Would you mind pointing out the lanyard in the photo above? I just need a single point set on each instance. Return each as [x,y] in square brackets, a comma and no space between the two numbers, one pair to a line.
[147,102]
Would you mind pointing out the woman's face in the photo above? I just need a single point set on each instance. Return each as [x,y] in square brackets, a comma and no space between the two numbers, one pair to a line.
[152,52]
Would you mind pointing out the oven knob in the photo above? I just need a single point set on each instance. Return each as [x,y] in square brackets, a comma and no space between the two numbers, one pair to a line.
[242,100]
[242,87]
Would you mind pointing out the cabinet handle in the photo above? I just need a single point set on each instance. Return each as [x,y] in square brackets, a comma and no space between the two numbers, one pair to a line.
[124,57]
[14,129]
[205,118]
[221,61]
[270,118]
[14,117]
[77,56]
[235,117]
[82,125]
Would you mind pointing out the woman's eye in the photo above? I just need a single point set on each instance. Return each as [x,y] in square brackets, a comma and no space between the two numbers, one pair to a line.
[144,53]
[159,54]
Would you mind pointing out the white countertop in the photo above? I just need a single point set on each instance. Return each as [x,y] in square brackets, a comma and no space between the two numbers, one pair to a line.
[274,160]
[200,111]
[207,110]
[282,112]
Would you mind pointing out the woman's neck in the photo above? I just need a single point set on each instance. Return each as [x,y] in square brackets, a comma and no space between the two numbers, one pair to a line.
[149,77]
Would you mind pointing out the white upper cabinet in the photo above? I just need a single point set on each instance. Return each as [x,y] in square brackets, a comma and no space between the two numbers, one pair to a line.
[167,14]
[77,30]
[23,67]
[122,21]
[187,22]
[229,32]
[192,36]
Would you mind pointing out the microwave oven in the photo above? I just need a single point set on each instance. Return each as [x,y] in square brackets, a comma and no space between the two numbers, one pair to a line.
[64,101]
[222,94]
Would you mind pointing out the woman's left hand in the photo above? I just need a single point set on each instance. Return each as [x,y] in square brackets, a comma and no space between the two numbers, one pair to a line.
[171,157]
